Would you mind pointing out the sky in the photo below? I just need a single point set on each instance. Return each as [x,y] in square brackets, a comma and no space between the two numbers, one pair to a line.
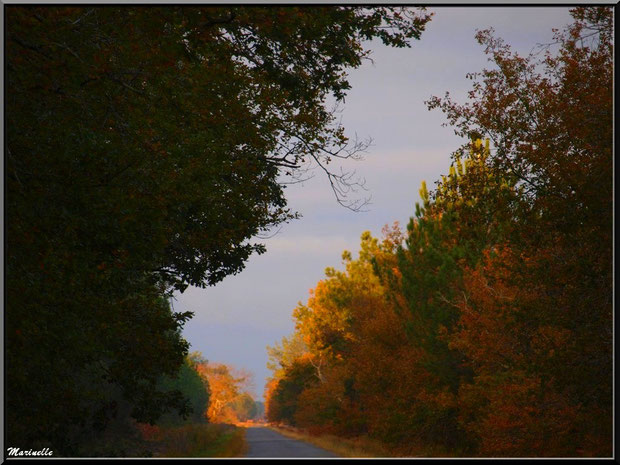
[236,319]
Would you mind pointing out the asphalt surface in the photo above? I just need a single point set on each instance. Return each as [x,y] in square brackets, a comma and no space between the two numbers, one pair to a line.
[264,442]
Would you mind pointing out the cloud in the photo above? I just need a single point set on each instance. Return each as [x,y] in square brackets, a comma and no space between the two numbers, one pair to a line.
[308,245]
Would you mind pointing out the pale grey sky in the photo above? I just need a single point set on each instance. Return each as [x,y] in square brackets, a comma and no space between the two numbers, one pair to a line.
[235,320]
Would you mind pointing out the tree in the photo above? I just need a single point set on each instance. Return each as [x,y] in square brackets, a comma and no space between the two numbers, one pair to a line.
[144,149]
[228,392]
[550,119]
[319,346]
[513,404]
[193,387]
[281,356]
[244,407]
[282,395]
[470,210]
[346,378]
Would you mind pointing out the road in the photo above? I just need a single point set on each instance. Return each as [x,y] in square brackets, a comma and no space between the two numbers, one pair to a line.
[264,442]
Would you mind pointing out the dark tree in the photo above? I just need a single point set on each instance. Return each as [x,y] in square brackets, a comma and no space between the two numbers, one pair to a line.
[144,150]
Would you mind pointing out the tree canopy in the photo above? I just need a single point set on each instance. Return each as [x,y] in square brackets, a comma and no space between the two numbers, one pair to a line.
[146,149]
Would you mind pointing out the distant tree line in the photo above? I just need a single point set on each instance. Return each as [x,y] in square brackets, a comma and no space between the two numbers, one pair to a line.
[218,393]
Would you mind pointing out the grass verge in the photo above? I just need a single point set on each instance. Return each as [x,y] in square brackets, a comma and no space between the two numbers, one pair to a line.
[196,440]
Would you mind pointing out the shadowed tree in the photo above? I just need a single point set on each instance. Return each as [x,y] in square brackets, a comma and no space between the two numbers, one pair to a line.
[144,151]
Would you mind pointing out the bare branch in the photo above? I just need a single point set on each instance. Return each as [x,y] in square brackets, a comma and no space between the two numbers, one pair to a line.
[269,236]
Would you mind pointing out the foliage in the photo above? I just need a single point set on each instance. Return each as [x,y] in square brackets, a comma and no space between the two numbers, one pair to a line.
[229,400]
[244,407]
[551,121]
[283,393]
[193,387]
[470,210]
[514,403]
[487,329]
[281,356]
[260,411]
[144,151]
[342,383]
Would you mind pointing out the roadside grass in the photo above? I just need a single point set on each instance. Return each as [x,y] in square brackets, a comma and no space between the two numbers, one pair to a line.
[196,440]
[121,439]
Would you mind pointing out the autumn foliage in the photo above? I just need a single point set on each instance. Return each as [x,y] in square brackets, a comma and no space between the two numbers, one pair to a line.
[229,397]
[486,328]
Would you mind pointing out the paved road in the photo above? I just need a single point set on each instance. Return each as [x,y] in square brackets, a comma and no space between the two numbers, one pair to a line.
[264,442]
